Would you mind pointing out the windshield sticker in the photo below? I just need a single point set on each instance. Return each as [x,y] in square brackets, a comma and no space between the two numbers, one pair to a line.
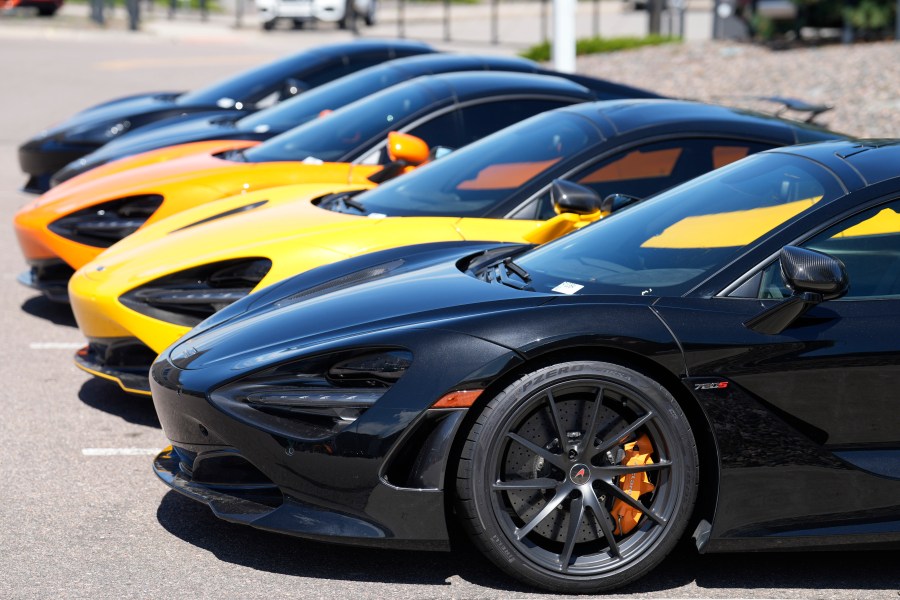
[567,287]
[312,160]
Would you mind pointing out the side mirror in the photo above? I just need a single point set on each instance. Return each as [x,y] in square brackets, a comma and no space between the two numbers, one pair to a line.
[291,88]
[406,148]
[570,197]
[616,202]
[813,277]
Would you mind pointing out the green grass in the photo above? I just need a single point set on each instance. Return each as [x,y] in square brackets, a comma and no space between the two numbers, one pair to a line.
[598,45]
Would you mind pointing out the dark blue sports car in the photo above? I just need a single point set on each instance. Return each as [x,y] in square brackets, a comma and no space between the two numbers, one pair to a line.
[52,149]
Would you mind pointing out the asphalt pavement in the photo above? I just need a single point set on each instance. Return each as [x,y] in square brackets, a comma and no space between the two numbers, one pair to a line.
[82,515]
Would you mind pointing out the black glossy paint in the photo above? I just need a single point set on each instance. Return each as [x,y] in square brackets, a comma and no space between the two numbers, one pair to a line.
[805,442]
[277,119]
[52,149]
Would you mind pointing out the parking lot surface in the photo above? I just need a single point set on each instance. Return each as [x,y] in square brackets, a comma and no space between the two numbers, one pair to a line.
[81,514]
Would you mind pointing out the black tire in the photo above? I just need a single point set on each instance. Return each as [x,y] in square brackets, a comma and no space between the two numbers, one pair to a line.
[517,486]
[47,11]
[269,25]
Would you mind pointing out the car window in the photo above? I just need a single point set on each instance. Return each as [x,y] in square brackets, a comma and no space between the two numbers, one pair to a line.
[476,179]
[869,246]
[652,168]
[669,243]
[443,130]
[481,120]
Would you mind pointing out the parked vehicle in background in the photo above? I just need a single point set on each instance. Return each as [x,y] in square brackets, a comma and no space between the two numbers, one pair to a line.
[45,8]
[305,11]
[55,147]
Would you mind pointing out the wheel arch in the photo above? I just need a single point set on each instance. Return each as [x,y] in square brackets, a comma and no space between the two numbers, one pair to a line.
[707,449]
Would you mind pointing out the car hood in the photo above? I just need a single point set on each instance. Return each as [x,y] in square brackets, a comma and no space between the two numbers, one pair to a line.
[396,288]
[125,108]
[145,166]
[183,129]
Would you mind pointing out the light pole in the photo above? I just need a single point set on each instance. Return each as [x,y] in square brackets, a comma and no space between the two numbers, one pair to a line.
[564,35]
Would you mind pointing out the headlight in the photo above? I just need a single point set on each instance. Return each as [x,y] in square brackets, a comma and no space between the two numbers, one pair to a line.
[188,297]
[105,224]
[101,133]
[314,397]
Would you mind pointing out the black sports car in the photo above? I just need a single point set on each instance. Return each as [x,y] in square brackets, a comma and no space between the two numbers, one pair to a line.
[286,115]
[52,149]
[720,360]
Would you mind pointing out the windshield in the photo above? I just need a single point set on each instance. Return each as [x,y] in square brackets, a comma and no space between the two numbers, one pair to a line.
[340,136]
[245,89]
[669,243]
[331,96]
[478,178]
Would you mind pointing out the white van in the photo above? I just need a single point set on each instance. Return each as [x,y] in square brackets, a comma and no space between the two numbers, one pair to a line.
[303,11]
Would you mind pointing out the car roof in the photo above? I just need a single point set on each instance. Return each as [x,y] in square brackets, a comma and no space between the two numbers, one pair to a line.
[873,160]
[370,45]
[468,85]
[440,62]
[627,116]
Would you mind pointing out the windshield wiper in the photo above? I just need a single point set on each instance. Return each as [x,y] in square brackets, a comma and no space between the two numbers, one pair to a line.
[501,273]
[342,203]
[512,267]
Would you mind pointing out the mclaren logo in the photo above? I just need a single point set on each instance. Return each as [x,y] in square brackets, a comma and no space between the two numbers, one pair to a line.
[714,385]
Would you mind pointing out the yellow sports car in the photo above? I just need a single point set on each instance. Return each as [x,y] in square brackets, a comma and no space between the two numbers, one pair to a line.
[146,291]
[74,222]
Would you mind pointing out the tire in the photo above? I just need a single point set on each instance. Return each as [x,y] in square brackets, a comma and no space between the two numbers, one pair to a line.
[518,487]
[269,25]
[47,11]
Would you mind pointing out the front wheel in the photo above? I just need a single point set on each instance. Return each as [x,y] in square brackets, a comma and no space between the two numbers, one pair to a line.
[579,477]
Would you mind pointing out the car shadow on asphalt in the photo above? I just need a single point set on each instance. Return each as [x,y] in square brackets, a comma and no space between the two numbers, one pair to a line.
[55,312]
[242,545]
[110,398]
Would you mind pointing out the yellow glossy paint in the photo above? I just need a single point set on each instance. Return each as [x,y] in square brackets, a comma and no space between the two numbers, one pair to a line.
[293,233]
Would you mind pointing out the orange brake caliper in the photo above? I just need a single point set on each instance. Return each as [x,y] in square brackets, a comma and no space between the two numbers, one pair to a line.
[634,484]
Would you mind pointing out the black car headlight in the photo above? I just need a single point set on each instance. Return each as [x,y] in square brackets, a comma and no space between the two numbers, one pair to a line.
[315,397]
[105,224]
[189,296]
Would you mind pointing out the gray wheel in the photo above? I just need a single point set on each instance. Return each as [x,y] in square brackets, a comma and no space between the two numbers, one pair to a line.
[579,477]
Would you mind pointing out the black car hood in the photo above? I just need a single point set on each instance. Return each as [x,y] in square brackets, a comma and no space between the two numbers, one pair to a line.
[183,129]
[395,288]
[124,109]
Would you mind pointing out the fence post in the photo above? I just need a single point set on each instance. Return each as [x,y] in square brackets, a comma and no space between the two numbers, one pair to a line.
[495,18]
[446,20]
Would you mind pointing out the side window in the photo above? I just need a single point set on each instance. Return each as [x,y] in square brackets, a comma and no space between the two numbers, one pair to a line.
[481,120]
[442,130]
[335,70]
[869,245]
[652,168]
